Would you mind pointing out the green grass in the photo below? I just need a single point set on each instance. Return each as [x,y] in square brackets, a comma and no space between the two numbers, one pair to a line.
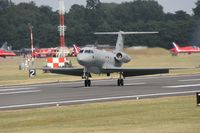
[154,57]
[162,115]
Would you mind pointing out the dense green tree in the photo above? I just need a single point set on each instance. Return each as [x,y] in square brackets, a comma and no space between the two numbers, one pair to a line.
[83,21]
[181,15]
[4,4]
[93,4]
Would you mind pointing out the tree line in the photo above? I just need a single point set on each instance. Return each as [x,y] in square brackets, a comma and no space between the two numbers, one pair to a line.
[83,21]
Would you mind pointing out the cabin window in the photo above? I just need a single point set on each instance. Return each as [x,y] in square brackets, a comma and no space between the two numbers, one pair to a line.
[86,51]
[89,51]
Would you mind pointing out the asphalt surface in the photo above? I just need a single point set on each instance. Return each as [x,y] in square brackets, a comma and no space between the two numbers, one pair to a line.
[56,94]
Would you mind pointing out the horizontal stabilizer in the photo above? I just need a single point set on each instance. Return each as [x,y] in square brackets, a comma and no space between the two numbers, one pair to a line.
[120,38]
[124,33]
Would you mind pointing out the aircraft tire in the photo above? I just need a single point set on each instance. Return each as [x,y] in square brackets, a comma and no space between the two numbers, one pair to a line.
[120,82]
[87,83]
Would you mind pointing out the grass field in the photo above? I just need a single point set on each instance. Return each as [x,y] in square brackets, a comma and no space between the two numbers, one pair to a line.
[162,115]
[155,57]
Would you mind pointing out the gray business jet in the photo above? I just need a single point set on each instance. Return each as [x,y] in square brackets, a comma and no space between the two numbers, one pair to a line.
[106,62]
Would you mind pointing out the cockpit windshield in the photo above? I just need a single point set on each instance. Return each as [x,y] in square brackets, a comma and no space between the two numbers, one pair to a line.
[89,51]
[81,51]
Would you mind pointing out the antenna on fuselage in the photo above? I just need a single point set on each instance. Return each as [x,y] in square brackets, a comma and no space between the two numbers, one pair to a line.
[120,38]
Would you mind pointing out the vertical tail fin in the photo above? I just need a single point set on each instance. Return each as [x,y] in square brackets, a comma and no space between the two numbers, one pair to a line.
[176,47]
[76,50]
[120,42]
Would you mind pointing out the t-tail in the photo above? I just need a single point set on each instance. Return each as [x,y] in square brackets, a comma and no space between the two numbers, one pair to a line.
[120,38]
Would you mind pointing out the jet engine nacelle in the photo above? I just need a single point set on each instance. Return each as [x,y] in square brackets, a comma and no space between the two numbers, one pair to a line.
[122,57]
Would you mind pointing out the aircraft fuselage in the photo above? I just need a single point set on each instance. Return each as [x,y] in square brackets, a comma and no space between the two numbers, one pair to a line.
[94,60]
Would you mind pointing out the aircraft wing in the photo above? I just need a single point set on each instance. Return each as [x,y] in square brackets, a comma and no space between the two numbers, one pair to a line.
[67,71]
[128,72]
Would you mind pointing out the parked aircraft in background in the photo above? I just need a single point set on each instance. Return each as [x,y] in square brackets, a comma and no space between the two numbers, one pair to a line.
[6,50]
[76,50]
[53,52]
[188,49]
[44,52]
[106,62]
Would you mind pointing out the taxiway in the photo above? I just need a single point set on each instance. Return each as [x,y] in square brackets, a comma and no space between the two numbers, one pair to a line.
[40,95]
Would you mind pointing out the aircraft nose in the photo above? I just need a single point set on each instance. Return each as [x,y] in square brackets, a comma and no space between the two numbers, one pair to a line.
[84,59]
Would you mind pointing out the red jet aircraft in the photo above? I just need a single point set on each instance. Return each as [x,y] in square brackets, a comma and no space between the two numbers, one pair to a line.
[5,51]
[52,52]
[188,49]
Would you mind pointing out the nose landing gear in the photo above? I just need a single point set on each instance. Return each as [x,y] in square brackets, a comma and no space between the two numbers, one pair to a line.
[87,80]
[120,82]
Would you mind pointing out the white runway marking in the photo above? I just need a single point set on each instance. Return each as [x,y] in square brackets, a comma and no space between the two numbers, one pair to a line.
[17,89]
[135,84]
[182,86]
[96,99]
[189,80]
[19,92]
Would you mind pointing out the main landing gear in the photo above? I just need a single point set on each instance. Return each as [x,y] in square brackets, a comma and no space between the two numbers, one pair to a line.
[87,80]
[87,83]
[120,81]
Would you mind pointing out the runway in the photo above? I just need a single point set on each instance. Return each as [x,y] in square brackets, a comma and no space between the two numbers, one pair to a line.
[42,95]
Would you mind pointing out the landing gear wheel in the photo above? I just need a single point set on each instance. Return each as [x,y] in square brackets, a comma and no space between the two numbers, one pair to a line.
[87,83]
[120,82]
